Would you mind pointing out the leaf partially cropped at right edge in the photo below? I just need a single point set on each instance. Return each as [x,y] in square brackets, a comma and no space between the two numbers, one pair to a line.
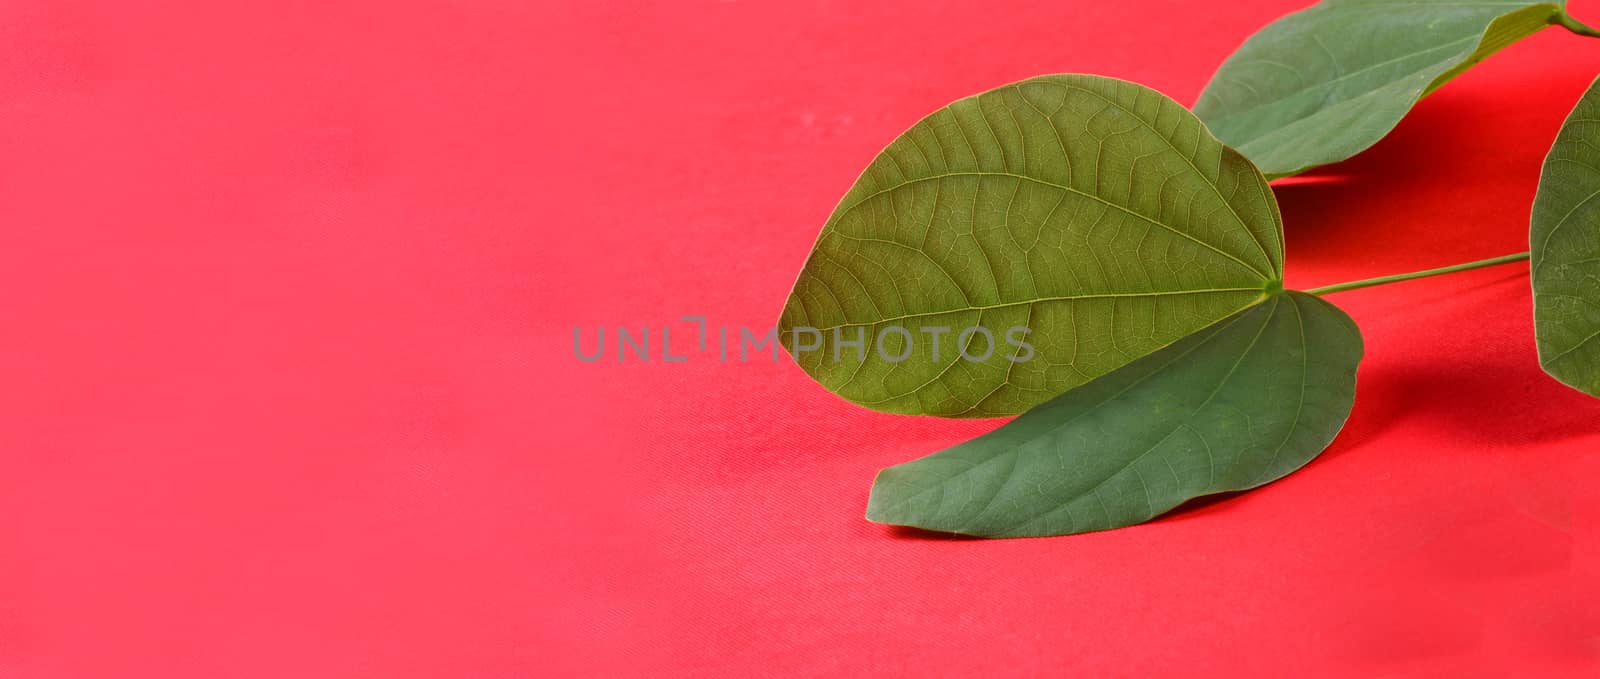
[1323,84]
[1565,241]
[1232,407]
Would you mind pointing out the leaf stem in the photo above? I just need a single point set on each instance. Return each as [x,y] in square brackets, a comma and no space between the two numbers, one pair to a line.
[1566,21]
[1385,280]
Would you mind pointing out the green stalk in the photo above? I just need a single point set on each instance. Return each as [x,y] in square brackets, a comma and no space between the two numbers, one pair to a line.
[1385,280]
[1566,21]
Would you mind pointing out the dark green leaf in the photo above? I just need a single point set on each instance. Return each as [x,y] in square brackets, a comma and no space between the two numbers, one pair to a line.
[1323,84]
[1098,213]
[1565,240]
[1232,407]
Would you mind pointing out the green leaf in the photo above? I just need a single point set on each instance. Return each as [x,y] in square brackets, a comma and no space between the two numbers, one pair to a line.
[1565,242]
[1323,84]
[1232,407]
[1096,213]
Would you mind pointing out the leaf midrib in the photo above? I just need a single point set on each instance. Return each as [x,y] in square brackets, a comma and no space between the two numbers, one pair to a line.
[1124,209]
[1061,298]
[1218,122]
[1103,402]
[1233,370]
[1136,115]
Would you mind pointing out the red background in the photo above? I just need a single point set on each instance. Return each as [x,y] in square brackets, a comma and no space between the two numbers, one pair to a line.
[287,298]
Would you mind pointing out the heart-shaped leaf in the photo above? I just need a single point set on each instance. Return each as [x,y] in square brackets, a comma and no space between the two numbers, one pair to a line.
[1565,242]
[1232,407]
[1080,222]
[1323,84]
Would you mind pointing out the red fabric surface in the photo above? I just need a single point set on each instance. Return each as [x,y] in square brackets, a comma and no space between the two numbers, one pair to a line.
[289,385]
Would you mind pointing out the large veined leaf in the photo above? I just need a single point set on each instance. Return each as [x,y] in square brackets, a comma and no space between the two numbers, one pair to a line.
[1323,84]
[1565,242]
[1232,407]
[1099,215]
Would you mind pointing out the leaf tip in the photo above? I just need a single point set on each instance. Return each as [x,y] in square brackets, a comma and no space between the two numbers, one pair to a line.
[877,499]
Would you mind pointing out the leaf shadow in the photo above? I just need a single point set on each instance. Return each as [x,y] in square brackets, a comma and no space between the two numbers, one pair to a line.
[1330,213]
[1462,155]
[1197,507]
[1487,403]
[924,535]
[1494,397]
[1205,505]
